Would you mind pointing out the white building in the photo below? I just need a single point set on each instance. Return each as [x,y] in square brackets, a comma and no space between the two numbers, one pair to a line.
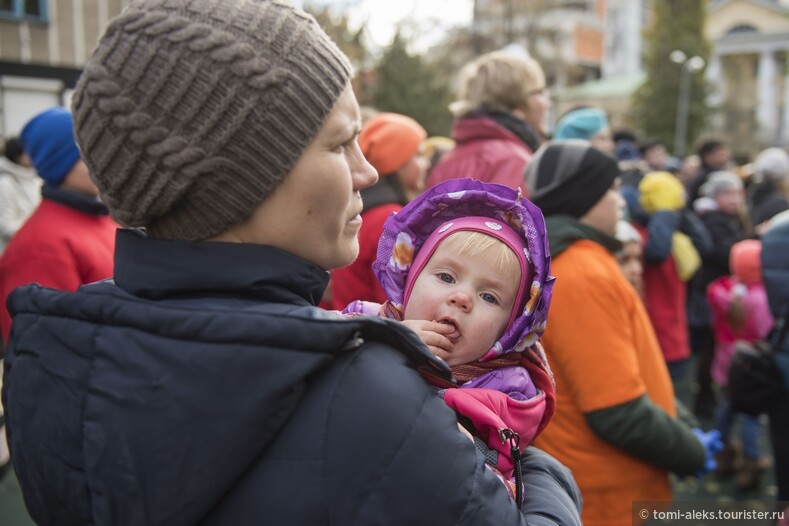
[748,70]
[43,46]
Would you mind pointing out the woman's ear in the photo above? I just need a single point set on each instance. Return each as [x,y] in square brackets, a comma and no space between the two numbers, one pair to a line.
[521,111]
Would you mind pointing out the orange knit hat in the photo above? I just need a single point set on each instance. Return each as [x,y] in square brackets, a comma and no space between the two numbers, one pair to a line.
[744,261]
[388,140]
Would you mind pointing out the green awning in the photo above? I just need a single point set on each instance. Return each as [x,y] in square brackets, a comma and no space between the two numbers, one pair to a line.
[617,86]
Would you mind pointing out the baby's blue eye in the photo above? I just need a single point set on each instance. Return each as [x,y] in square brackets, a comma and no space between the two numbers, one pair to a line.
[489,298]
[446,278]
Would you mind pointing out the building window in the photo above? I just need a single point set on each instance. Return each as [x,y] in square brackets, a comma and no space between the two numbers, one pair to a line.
[578,5]
[23,9]
[742,28]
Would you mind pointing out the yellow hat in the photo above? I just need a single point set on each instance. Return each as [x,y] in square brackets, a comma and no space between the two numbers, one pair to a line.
[661,191]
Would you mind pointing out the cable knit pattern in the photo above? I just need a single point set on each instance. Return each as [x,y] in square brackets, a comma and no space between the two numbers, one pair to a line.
[189,113]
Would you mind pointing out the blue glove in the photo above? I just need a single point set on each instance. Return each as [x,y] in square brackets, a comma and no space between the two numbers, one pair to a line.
[711,440]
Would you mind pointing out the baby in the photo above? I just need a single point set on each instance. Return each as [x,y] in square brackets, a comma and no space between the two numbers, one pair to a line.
[466,266]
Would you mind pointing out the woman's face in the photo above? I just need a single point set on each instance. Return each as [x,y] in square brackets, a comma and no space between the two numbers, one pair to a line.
[603,141]
[536,112]
[412,174]
[314,212]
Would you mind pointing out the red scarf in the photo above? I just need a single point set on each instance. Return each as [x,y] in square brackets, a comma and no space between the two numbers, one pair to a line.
[466,373]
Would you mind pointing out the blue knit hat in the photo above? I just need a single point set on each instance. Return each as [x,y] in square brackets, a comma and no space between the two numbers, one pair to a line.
[48,139]
[581,124]
[626,151]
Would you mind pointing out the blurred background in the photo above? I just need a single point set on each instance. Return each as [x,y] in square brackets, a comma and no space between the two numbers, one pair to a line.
[628,57]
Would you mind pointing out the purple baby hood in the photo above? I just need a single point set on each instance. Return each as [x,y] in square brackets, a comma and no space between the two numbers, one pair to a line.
[406,231]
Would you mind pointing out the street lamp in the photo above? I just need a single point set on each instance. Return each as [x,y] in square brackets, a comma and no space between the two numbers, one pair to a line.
[687,66]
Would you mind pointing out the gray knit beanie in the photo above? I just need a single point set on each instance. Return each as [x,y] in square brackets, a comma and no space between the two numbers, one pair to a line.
[720,181]
[771,165]
[190,112]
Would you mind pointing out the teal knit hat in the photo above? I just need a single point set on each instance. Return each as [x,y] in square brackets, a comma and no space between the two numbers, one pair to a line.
[581,124]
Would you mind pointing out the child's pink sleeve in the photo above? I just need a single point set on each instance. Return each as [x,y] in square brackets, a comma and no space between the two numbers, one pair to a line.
[759,308]
[719,295]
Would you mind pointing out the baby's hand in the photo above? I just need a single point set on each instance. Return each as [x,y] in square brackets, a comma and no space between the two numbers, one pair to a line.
[433,334]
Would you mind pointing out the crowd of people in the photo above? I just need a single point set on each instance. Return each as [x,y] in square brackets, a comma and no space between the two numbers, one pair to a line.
[230,299]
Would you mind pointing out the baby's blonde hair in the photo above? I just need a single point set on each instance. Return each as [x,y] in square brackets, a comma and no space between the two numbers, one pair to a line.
[498,80]
[468,243]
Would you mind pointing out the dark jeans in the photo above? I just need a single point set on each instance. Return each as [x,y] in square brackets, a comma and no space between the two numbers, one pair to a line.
[677,369]
[702,342]
[750,428]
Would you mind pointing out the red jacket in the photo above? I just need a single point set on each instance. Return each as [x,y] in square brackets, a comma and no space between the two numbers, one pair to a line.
[58,247]
[357,281]
[484,150]
[665,296]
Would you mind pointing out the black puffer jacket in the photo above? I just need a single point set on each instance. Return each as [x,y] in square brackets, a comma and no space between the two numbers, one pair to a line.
[775,271]
[724,231]
[765,200]
[204,388]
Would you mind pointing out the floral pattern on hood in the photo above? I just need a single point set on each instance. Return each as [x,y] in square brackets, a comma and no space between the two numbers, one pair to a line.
[406,231]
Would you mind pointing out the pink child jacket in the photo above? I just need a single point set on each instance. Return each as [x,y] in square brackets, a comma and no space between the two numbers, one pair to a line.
[758,321]
[519,398]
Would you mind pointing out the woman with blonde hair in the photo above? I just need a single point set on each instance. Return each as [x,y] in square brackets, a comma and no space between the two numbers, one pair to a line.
[499,120]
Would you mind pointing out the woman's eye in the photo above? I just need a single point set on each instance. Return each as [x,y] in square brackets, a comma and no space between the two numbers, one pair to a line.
[489,298]
[446,278]
[347,145]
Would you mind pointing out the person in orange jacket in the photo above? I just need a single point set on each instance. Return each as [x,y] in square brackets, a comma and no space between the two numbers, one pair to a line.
[615,424]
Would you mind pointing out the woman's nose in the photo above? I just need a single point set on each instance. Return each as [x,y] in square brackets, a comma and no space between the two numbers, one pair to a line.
[364,174]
